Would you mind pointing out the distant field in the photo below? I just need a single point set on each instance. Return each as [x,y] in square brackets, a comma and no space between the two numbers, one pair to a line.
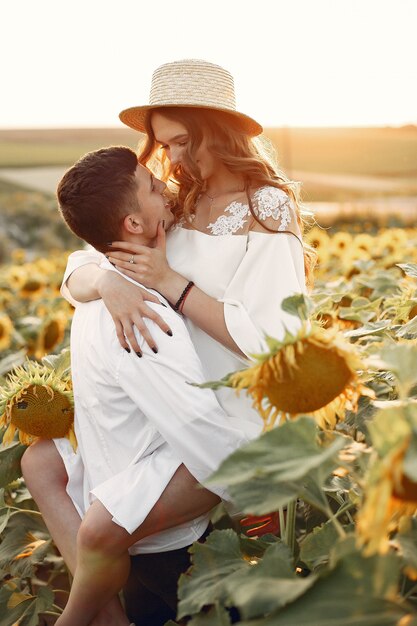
[384,152]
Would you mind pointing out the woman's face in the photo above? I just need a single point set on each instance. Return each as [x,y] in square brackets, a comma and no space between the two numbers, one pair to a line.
[173,138]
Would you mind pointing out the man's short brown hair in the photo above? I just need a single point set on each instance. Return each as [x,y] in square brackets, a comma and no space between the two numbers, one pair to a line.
[97,193]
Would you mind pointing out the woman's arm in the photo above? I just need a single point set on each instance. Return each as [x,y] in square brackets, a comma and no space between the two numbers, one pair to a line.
[271,270]
[83,283]
[206,312]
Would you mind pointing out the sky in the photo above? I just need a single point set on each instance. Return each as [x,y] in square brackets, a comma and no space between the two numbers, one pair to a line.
[295,62]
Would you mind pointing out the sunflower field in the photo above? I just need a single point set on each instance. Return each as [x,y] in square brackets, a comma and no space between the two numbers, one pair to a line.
[337,463]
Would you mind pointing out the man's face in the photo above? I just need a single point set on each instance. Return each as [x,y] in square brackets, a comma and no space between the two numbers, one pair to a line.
[154,206]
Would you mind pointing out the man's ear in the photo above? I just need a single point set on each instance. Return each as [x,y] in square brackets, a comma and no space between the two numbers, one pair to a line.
[133,224]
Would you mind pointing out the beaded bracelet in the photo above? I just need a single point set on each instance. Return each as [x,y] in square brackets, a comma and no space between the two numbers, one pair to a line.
[182,296]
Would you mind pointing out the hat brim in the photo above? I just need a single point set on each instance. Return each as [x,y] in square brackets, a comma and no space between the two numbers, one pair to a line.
[135,117]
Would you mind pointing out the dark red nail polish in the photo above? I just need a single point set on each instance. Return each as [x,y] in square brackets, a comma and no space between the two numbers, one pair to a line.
[139,354]
[169,332]
[155,350]
[127,350]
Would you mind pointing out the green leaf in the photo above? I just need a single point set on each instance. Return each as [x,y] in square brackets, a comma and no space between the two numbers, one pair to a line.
[213,561]
[401,359]
[273,470]
[268,585]
[24,609]
[216,616]
[409,268]
[358,591]
[10,463]
[316,546]
[20,551]
[410,460]
[299,305]
[371,328]
[4,519]
[221,576]
[409,330]
[11,361]
[407,539]
[61,362]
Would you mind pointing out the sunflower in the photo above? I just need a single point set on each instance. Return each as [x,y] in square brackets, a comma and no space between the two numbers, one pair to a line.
[390,496]
[37,402]
[340,243]
[32,287]
[50,335]
[16,277]
[319,240]
[6,330]
[313,373]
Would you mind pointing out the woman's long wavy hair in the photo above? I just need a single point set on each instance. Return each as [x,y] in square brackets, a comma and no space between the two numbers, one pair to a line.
[250,158]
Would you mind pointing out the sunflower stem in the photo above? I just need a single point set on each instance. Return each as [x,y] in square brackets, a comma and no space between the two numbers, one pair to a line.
[338,526]
[290,527]
[281,523]
[27,511]
[51,613]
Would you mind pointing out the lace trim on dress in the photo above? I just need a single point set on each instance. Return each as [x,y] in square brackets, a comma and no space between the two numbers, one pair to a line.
[268,202]
[275,203]
[229,224]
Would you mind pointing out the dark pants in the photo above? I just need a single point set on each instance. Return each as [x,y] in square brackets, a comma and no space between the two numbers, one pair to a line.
[151,590]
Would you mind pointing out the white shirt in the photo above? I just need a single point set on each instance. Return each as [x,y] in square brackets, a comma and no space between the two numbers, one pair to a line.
[137,419]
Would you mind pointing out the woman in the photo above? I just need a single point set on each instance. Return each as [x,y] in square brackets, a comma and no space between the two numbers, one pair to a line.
[236,251]
[239,230]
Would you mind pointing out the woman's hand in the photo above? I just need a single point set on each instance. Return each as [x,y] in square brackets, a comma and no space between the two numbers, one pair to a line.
[127,306]
[148,266]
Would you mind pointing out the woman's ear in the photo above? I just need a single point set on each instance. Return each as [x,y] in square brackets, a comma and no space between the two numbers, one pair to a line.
[133,224]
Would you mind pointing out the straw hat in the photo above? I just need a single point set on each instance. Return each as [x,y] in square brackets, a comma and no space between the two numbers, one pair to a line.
[191,83]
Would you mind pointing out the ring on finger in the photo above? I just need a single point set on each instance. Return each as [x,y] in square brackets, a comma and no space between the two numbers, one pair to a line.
[132,259]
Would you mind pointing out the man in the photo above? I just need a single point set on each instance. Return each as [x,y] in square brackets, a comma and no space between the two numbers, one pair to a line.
[145,435]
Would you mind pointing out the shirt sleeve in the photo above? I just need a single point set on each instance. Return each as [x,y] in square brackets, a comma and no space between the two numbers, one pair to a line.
[189,418]
[75,260]
[271,270]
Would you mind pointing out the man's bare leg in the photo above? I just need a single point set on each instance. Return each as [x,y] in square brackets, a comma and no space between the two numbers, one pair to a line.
[102,545]
[46,478]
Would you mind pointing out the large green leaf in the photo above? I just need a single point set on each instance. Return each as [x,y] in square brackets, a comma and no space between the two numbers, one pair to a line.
[268,585]
[276,468]
[213,561]
[10,462]
[358,591]
[221,576]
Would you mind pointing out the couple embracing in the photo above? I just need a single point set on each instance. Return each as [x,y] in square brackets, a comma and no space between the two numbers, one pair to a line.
[173,291]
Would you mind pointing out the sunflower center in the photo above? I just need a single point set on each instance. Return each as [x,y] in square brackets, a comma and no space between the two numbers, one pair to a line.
[51,335]
[42,412]
[321,374]
[407,491]
[32,285]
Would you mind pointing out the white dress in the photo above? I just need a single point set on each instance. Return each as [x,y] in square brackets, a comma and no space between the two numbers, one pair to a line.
[250,273]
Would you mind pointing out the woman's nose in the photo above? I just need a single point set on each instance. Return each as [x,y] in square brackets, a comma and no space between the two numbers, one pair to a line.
[175,156]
